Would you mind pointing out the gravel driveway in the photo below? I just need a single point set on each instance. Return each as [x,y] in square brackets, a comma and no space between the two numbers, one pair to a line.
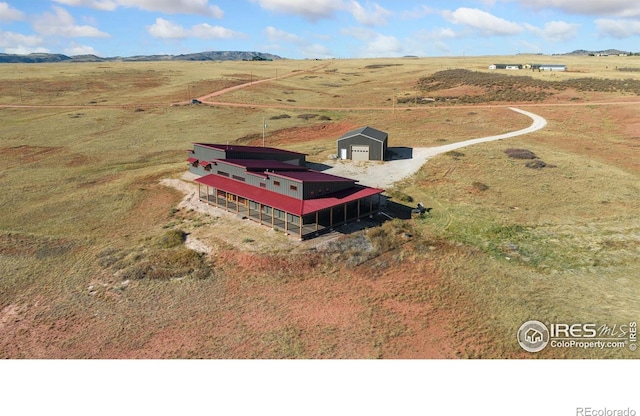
[370,174]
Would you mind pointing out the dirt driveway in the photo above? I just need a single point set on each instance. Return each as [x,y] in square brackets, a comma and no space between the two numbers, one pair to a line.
[384,175]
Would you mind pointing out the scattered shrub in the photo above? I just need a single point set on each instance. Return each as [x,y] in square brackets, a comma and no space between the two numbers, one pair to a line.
[401,196]
[480,186]
[520,154]
[281,116]
[165,264]
[172,238]
[535,164]
[307,116]
[455,154]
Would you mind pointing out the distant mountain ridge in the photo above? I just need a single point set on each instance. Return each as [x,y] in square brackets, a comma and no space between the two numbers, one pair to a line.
[582,52]
[199,56]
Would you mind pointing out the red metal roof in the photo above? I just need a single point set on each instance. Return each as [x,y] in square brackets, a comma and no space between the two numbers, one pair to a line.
[192,159]
[286,203]
[239,148]
[311,176]
[262,165]
[205,163]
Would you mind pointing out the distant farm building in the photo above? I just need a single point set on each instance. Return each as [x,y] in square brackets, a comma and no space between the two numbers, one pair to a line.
[548,67]
[505,66]
[274,187]
[365,143]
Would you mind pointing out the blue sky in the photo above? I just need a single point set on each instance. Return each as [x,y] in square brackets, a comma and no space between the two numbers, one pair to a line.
[301,29]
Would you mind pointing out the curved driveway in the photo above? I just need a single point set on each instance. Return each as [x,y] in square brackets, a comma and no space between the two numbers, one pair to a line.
[373,174]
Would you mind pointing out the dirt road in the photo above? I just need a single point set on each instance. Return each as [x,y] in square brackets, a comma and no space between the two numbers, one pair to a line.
[370,174]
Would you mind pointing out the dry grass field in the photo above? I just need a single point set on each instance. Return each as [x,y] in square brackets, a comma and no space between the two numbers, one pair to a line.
[92,256]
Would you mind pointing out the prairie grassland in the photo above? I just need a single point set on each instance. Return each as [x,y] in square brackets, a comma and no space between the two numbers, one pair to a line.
[87,271]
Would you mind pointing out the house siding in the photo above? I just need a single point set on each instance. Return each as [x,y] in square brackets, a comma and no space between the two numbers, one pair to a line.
[375,139]
[320,189]
[377,149]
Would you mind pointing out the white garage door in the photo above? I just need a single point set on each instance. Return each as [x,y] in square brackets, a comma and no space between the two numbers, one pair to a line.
[360,152]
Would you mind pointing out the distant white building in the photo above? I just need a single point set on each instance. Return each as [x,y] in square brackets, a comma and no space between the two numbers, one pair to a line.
[548,67]
[505,66]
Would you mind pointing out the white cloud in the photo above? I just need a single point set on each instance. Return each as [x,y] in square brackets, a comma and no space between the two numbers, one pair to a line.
[359,33]
[383,45]
[312,10]
[418,13]
[437,34]
[62,24]
[200,7]
[77,49]
[618,28]
[276,35]
[106,5]
[25,50]
[8,13]
[619,8]
[20,44]
[482,21]
[12,40]
[378,16]
[555,31]
[375,44]
[316,51]
[166,29]
[530,47]
[206,31]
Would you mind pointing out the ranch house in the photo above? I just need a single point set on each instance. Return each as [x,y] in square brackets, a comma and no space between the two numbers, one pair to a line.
[273,187]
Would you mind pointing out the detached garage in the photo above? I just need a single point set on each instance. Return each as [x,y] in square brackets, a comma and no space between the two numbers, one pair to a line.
[365,143]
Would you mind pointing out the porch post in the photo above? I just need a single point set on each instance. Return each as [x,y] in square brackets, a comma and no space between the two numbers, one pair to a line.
[345,213]
[301,224]
[331,218]
[317,225]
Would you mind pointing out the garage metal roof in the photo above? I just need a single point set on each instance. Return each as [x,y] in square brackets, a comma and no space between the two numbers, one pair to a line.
[367,131]
[286,203]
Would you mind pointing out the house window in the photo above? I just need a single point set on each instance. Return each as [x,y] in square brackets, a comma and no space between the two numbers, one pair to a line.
[276,183]
[293,187]
[238,178]
[263,185]
[221,173]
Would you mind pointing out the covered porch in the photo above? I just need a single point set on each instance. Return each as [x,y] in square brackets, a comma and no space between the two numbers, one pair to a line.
[302,218]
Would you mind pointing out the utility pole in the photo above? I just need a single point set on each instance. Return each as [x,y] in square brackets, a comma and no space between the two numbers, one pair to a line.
[264,127]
